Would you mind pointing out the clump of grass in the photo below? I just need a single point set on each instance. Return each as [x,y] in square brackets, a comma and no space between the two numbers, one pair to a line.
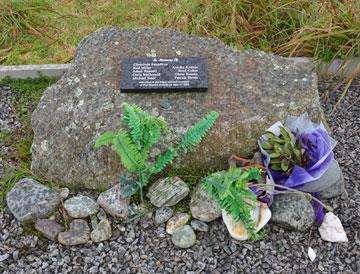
[38,31]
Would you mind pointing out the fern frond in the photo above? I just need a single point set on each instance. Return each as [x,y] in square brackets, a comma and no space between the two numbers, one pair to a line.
[152,131]
[105,139]
[133,117]
[196,133]
[145,129]
[130,156]
[231,191]
[165,159]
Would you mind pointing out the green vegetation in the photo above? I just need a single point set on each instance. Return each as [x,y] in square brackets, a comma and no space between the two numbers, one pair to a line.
[134,143]
[42,31]
[285,151]
[25,95]
[231,191]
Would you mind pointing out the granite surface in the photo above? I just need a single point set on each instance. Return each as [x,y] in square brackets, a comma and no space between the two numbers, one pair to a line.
[250,90]
[29,200]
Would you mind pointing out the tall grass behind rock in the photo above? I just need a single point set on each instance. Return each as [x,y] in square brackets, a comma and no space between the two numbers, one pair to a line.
[39,31]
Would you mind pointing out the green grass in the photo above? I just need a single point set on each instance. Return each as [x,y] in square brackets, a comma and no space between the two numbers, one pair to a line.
[42,31]
[26,94]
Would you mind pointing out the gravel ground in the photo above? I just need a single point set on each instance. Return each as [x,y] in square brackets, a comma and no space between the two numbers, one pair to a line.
[142,247]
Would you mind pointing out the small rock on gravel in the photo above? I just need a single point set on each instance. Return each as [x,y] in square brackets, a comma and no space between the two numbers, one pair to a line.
[101,214]
[114,202]
[331,229]
[81,206]
[49,228]
[292,211]
[163,214]
[199,226]
[177,221]
[102,231]
[30,200]
[184,237]
[64,193]
[78,233]
[167,191]
[203,207]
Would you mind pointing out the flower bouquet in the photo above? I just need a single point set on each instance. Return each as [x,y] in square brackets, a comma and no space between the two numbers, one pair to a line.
[296,154]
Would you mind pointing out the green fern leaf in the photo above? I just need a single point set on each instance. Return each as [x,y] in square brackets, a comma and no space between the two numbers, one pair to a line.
[130,156]
[165,159]
[133,117]
[195,134]
[105,139]
[231,191]
[145,129]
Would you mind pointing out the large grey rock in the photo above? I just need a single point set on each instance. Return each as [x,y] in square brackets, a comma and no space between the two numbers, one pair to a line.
[330,184]
[78,233]
[251,90]
[292,211]
[29,200]
[203,206]
[114,202]
[167,192]
[81,206]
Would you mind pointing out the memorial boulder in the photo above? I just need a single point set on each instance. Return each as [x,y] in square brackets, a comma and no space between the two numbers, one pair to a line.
[250,90]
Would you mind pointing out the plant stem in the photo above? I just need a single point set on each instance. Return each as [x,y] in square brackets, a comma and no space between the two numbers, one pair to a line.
[141,195]
[308,195]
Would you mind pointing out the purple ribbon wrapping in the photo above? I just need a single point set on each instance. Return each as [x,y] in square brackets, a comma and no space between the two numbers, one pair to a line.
[316,142]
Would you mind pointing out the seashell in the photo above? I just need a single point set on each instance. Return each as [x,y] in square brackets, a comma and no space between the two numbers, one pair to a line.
[261,215]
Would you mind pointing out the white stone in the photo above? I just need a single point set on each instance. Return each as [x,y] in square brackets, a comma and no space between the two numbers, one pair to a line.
[311,254]
[64,193]
[331,229]
[261,214]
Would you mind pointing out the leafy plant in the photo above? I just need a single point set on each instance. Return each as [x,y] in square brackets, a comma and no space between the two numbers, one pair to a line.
[231,191]
[142,132]
[285,151]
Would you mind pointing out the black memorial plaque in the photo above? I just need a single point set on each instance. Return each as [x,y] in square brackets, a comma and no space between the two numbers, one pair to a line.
[164,74]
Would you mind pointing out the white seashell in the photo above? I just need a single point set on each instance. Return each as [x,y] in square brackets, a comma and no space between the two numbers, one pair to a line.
[331,229]
[311,254]
[261,214]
